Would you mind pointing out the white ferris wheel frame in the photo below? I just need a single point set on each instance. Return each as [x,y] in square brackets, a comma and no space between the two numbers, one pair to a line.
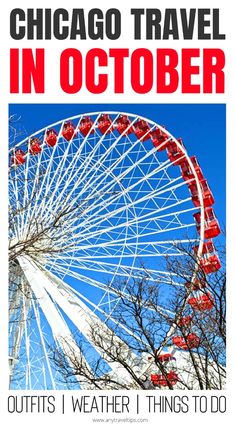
[48,291]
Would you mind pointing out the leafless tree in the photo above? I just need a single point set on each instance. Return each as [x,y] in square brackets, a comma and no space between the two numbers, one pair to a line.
[144,329]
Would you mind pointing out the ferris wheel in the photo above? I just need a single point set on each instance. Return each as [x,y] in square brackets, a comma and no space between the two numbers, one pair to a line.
[91,198]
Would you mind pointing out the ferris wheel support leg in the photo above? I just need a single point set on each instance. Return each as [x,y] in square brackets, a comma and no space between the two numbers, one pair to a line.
[84,319]
[60,330]
[37,316]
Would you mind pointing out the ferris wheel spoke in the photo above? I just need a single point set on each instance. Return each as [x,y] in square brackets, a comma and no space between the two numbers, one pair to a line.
[141,219]
[162,247]
[16,205]
[35,186]
[132,251]
[14,221]
[117,237]
[40,197]
[118,210]
[14,303]
[44,197]
[108,255]
[130,242]
[106,230]
[124,271]
[32,196]
[26,186]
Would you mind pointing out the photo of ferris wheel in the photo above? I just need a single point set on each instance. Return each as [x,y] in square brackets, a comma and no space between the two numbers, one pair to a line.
[116,246]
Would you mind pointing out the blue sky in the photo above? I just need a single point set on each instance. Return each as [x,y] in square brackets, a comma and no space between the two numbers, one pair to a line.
[201,126]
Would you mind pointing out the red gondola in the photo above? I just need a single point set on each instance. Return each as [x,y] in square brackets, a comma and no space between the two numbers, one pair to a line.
[202,302]
[105,124]
[174,152]
[212,228]
[34,147]
[187,172]
[18,157]
[210,264]
[51,137]
[207,248]
[68,131]
[142,130]
[210,261]
[171,378]
[124,125]
[191,341]
[208,199]
[185,321]
[159,139]
[85,126]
